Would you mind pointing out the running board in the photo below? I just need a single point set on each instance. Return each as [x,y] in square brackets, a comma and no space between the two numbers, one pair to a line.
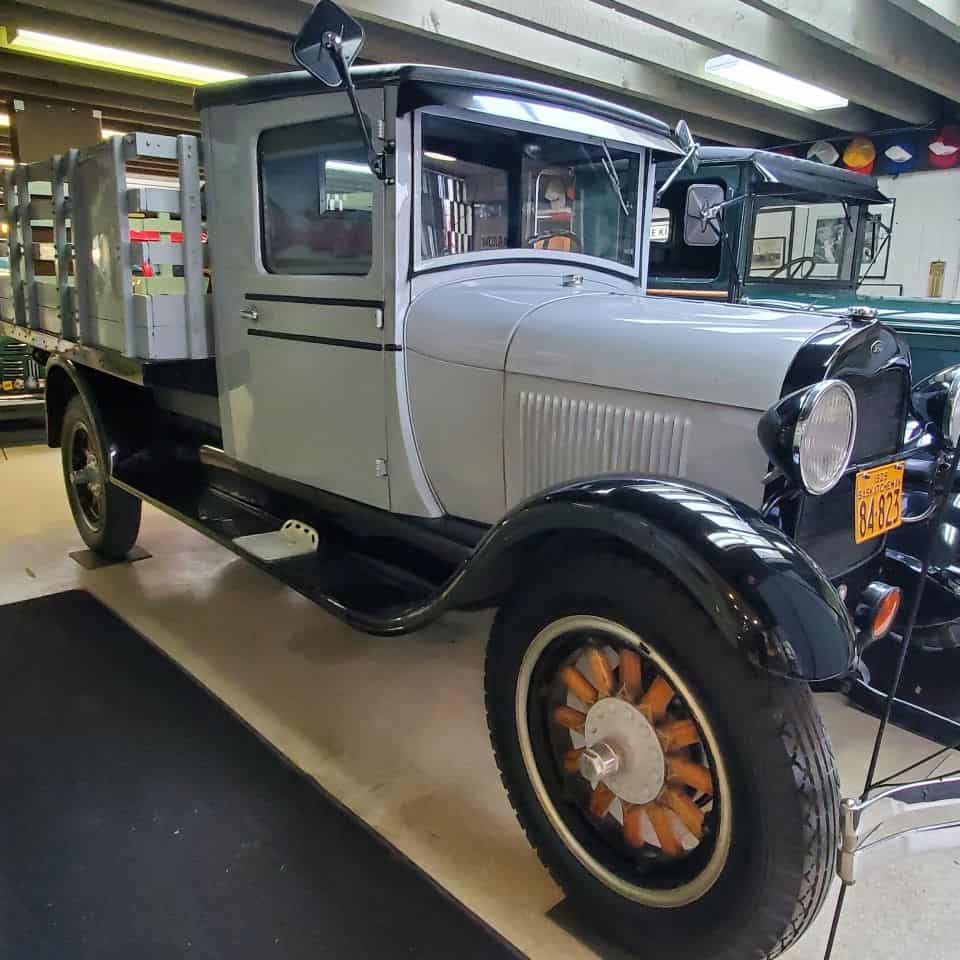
[294,539]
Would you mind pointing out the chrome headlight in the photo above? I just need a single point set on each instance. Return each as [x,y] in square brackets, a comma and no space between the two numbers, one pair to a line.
[809,435]
[824,435]
[936,401]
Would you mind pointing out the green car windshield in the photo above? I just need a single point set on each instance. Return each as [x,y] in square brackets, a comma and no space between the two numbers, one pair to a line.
[803,241]
[486,189]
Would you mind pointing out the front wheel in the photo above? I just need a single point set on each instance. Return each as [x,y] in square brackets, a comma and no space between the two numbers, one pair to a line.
[107,517]
[684,800]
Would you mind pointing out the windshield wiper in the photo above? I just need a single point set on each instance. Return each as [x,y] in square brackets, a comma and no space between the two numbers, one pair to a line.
[611,171]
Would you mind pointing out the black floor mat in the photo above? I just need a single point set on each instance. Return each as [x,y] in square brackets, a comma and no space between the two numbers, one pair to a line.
[140,819]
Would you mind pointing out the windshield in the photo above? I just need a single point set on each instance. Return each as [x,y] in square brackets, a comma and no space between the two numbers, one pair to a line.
[803,241]
[487,188]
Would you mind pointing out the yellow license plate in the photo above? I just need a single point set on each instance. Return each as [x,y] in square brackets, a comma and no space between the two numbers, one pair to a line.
[877,501]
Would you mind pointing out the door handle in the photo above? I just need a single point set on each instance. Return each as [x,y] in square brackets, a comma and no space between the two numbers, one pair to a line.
[250,314]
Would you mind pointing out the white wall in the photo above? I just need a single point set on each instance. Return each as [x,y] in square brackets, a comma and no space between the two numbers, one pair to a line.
[926,227]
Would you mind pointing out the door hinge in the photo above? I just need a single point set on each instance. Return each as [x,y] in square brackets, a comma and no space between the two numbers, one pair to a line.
[381,466]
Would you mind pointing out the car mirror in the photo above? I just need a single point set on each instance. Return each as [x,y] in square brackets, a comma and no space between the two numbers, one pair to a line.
[699,229]
[328,43]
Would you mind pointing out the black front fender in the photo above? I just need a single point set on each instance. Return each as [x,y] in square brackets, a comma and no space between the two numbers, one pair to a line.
[767,595]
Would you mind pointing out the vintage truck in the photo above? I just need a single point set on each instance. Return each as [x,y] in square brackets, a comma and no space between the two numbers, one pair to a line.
[789,233]
[414,369]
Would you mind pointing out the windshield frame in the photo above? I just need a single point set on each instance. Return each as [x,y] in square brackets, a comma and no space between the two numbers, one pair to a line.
[849,280]
[642,202]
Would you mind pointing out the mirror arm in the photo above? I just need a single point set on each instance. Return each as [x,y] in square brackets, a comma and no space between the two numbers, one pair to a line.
[676,172]
[375,159]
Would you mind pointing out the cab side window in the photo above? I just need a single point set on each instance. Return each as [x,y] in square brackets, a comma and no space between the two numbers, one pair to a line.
[316,199]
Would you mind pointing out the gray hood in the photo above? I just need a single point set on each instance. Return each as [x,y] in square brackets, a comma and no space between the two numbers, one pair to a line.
[718,353]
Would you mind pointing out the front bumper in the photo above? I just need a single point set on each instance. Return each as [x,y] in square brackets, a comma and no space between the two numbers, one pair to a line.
[899,821]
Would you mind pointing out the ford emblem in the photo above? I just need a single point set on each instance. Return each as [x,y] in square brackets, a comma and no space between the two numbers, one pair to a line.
[876,346]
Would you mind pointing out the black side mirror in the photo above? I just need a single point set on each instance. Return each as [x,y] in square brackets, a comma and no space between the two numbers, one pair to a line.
[326,46]
[328,43]
[701,226]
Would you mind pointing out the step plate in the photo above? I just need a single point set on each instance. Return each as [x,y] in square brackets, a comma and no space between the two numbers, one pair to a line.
[293,539]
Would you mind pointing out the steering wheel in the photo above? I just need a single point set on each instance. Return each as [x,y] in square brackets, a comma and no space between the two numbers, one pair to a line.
[797,269]
[545,238]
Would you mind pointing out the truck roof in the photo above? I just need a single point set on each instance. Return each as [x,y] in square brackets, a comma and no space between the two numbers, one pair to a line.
[422,85]
[776,171]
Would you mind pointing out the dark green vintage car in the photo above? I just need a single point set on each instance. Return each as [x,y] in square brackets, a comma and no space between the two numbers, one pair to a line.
[751,226]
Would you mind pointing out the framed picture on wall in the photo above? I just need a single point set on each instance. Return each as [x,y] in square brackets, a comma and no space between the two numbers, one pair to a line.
[876,244]
[829,240]
[769,253]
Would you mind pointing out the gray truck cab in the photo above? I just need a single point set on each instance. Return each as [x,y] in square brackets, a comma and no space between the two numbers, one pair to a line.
[486,177]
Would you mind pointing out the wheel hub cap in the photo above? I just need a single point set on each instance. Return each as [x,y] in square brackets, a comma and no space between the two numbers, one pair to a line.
[623,751]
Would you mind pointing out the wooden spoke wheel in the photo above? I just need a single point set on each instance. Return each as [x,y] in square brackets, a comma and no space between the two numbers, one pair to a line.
[685,800]
[625,760]
[638,746]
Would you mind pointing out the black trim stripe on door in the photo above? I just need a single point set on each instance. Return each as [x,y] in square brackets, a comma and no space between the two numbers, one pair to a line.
[317,301]
[326,341]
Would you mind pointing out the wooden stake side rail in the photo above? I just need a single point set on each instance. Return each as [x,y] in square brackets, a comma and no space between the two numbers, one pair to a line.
[76,276]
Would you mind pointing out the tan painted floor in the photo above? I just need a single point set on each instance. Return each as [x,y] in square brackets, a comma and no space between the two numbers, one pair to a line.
[395,727]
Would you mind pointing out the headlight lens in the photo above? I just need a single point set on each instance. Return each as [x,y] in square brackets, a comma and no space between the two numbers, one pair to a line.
[824,435]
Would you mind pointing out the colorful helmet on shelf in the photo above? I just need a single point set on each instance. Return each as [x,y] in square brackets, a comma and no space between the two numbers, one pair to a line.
[944,148]
[823,151]
[898,153]
[860,155]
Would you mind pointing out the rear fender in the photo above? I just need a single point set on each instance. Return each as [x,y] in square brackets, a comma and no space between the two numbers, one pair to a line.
[119,410]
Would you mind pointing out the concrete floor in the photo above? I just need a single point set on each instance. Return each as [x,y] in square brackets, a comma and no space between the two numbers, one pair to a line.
[394,727]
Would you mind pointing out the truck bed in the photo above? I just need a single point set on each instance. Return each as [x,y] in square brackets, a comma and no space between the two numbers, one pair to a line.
[97,263]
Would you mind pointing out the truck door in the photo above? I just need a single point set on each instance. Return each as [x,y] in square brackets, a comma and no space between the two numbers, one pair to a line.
[296,225]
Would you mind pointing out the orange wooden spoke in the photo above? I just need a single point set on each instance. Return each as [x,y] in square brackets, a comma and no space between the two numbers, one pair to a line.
[601,799]
[631,675]
[578,685]
[600,671]
[569,718]
[692,774]
[663,826]
[657,698]
[691,816]
[633,824]
[678,734]
[571,760]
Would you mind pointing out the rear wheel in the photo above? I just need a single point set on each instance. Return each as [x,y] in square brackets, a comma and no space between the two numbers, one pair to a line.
[684,800]
[107,517]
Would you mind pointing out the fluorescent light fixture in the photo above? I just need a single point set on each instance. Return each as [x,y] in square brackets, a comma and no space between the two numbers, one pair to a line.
[106,133]
[6,162]
[439,156]
[771,84]
[114,58]
[4,119]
